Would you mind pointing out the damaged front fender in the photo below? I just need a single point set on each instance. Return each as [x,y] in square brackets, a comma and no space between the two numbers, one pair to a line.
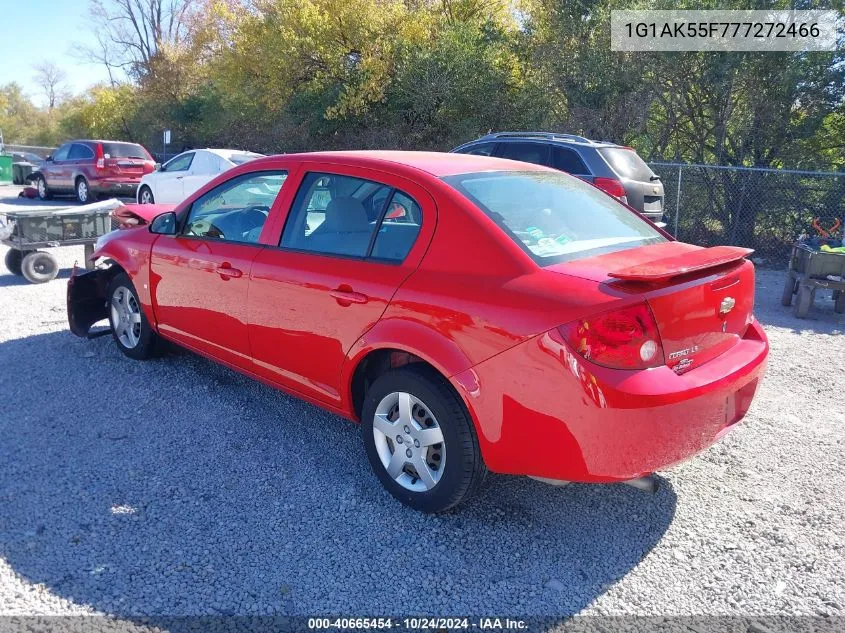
[86,299]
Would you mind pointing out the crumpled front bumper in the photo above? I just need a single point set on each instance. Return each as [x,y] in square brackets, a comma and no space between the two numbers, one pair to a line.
[86,299]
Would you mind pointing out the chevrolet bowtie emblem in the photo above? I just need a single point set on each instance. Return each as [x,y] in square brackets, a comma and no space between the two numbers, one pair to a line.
[727,305]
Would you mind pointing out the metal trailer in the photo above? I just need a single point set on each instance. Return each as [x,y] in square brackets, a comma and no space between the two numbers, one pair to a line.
[45,227]
[809,270]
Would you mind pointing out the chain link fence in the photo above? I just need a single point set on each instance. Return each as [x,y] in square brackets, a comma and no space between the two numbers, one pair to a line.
[763,209]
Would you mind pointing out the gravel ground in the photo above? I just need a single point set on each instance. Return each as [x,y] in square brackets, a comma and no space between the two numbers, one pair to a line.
[176,486]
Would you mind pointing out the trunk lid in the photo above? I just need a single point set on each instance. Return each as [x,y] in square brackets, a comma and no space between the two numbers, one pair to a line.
[702,298]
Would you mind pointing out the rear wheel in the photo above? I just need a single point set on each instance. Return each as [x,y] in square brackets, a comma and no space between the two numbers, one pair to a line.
[13,261]
[41,187]
[788,291]
[130,329]
[420,440]
[38,267]
[83,191]
[145,196]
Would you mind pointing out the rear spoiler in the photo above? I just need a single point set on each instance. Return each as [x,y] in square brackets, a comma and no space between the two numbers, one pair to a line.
[689,262]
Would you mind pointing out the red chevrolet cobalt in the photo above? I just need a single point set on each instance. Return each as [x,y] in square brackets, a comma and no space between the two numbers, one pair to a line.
[472,313]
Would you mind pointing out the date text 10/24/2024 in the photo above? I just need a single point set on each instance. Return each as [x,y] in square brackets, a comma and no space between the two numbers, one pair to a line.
[418,623]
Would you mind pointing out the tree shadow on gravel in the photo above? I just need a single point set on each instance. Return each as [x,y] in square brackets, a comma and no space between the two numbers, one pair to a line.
[178,487]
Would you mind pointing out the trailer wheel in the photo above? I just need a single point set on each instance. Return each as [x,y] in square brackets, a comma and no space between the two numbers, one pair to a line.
[788,291]
[806,294]
[839,306]
[39,267]
[13,260]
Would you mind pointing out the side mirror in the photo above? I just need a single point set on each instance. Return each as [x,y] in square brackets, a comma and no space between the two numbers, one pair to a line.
[49,158]
[157,166]
[164,224]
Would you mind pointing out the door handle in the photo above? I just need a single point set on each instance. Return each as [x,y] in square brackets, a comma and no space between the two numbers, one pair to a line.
[226,271]
[179,177]
[345,296]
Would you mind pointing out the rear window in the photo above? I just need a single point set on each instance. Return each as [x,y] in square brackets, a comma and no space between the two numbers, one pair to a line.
[124,150]
[627,163]
[555,217]
[240,159]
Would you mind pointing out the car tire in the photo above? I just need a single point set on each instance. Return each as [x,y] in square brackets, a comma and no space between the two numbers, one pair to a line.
[130,329]
[41,187]
[145,195]
[13,261]
[454,468]
[788,291]
[83,191]
[38,267]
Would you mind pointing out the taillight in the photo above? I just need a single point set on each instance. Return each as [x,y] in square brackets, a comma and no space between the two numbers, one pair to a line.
[621,339]
[101,161]
[611,186]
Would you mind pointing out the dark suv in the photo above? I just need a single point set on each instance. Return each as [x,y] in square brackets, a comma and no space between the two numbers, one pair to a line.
[615,169]
[90,168]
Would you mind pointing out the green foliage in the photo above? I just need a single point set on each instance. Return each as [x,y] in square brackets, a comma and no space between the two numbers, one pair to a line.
[282,75]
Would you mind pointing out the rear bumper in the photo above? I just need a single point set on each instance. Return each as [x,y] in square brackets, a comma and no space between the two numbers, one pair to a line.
[115,186]
[86,299]
[543,411]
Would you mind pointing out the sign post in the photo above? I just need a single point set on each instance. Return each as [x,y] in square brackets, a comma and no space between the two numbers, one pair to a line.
[166,142]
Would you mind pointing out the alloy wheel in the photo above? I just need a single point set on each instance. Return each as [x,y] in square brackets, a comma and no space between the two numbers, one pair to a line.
[146,196]
[82,191]
[42,188]
[126,317]
[409,441]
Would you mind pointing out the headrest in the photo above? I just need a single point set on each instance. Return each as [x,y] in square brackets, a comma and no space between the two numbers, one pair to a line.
[346,215]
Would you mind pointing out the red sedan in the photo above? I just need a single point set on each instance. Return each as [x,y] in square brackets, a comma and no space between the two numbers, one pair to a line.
[472,313]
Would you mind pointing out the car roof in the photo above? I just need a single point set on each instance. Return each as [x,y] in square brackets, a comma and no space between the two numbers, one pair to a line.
[556,137]
[437,164]
[228,152]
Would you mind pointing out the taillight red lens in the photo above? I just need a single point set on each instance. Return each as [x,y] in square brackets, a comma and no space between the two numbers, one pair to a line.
[621,339]
[611,186]
[101,161]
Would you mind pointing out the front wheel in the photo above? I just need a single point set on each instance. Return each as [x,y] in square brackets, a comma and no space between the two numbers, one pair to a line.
[420,440]
[130,329]
[38,267]
[41,188]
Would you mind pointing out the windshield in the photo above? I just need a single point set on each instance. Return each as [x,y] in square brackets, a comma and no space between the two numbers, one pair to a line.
[627,163]
[555,217]
[124,150]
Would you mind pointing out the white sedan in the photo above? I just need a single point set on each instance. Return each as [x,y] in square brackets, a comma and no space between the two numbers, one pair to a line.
[184,174]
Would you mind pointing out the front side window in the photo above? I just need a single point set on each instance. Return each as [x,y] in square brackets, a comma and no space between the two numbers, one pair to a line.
[236,210]
[79,151]
[62,152]
[180,163]
[482,149]
[555,217]
[536,153]
[342,215]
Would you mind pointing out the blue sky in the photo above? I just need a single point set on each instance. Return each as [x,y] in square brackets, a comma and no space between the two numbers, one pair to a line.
[36,30]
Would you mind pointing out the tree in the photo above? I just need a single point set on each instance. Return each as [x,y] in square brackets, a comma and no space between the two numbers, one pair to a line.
[51,80]
[131,33]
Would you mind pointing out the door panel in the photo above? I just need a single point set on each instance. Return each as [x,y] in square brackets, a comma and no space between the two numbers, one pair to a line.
[169,182]
[200,278]
[307,309]
[199,290]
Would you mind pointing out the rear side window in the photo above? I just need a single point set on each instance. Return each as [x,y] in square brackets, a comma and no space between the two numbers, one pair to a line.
[536,153]
[554,217]
[627,163]
[341,215]
[79,151]
[124,150]
[568,160]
